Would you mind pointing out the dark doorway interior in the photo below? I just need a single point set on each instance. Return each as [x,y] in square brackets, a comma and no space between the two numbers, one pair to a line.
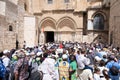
[49,36]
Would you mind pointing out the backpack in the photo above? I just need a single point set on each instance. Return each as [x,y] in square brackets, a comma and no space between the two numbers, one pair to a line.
[37,75]
[2,70]
[114,70]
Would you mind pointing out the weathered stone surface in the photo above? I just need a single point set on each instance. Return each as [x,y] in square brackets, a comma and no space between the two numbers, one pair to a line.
[114,30]
[67,21]
[2,8]
[9,16]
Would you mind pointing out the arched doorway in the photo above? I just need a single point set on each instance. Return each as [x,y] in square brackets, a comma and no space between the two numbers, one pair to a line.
[49,36]
[48,29]
[66,29]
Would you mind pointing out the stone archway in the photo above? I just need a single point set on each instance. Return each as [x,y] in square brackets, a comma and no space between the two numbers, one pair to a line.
[99,15]
[48,24]
[47,30]
[100,39]
[66,29]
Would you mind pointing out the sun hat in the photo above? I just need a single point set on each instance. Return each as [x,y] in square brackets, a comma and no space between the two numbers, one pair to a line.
[6,51]
[64,56]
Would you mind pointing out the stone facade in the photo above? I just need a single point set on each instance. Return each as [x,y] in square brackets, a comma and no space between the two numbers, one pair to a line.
[114,29]
[20,21]
[69,21]
[10,22]
[41,21]
[8,17]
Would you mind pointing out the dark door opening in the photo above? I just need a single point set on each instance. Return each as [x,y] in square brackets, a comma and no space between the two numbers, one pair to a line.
[49,36]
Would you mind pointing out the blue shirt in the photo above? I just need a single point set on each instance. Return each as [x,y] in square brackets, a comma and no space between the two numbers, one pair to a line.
[111,63]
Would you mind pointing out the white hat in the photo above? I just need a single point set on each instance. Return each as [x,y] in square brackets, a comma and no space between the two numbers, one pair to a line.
[6,51]
[90,51]
[27,54]
[97,58]
[64,56]
[114,49]
[39,53]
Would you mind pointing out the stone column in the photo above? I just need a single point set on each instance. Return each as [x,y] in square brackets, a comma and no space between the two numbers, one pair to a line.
[90,25]
[55,37]
[42,38]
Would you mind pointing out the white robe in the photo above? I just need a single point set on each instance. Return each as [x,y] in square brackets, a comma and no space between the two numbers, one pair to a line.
[48,69]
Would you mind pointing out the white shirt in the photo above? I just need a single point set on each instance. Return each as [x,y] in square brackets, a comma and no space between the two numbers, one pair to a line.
[6,61]
[82,61]
[86,74]
[48,69]
[97,77]
[101,70]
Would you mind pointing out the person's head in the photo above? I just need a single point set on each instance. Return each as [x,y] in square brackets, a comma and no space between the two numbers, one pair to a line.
[97,70]
[64,51]
[78,52]
[111,57]
[6,52]
[104,56]
[102,63]
[21,54]
[82,51]
[105,73]
[72,57]
[64,57]
[60,55]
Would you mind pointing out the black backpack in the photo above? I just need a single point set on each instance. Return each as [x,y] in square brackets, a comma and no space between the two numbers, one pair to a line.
[114,70]
[37,75]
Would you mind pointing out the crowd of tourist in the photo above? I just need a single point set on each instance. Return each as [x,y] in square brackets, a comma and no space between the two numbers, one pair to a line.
[61,61]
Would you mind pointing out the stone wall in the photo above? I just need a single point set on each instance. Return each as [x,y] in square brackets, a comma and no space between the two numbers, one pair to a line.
[114,30]
[8,16]
[30,31]
[11,14]
[67,25]
[75,11]
[21,13]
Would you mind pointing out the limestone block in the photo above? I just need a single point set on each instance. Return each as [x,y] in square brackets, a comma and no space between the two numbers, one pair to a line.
[2,8]
[90,25]
[14,1]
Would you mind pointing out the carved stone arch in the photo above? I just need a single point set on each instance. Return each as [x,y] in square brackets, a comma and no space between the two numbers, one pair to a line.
[99,12]
[66,28]
[99,20]
[48,24]
[66,24]
[100,38]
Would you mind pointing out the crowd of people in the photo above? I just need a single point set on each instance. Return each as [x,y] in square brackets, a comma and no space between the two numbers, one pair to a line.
[61,61]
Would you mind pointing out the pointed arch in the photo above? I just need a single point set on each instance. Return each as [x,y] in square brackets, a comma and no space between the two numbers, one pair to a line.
[100,38]
[66,24]
[48,24]
[99,20]
[100,12]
